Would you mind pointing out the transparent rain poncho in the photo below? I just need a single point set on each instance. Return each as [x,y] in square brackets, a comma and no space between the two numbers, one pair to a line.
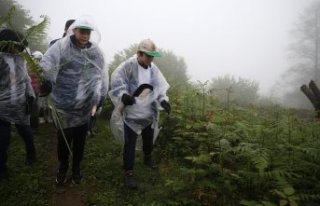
[15,87]
[145,111]
[79,77]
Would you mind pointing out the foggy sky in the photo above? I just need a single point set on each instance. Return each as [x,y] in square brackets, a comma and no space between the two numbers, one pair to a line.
[246,38]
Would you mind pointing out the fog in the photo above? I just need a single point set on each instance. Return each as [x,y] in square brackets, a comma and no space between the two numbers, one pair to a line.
[243,38]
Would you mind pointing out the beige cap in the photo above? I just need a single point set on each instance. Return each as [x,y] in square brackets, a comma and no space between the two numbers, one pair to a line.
[147,46]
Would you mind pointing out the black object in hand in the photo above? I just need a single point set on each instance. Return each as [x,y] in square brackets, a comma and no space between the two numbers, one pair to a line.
[127,99]
[166,106]
[45,88]
[141,88]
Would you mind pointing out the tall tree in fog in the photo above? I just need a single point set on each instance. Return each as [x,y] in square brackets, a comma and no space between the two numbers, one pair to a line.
[304,53]
[305,49]
[229,89]
[20,20]
[173,68]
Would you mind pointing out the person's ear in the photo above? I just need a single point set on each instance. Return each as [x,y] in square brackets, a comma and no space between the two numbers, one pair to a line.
[140,54]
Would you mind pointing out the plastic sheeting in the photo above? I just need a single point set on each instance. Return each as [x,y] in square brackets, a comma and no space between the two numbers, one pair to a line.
[117,120]
[145,111]
[79,79]
[15,87]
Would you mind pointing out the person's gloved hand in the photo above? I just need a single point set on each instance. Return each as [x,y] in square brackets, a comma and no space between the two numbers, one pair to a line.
[45,88]
[166,106]
[127,99]
[29,102]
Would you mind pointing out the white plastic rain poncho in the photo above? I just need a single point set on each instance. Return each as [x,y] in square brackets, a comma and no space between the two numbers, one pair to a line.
[79,77]
[145,111]
[15,88]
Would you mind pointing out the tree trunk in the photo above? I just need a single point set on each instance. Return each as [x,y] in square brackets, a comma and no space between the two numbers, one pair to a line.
[315,90]
[310,95]
[313,94]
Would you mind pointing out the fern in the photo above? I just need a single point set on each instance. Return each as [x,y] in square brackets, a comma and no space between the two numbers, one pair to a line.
[309,197]
[37,31]
[34,32]
[279,173]
[260,162]
[314,153]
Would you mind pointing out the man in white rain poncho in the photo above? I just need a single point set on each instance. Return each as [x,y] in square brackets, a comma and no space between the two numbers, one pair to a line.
[16,96]
[75,67]
[139,115]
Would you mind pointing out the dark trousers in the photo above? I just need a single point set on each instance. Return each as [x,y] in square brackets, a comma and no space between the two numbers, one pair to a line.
[130,138]
[34,116]
[76,136]
[5,134]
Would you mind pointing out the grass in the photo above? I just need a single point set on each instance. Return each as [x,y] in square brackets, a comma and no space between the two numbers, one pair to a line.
[102,169]
[27,185]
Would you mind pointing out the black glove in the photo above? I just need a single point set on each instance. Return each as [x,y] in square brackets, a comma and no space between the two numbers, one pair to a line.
[166,106]
[127,99]
[45,88]
[29,102]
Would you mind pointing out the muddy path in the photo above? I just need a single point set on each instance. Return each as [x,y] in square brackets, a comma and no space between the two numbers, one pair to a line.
[63,195]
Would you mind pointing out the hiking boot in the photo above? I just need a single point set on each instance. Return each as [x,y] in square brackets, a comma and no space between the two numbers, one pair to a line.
[61,178]
[76,178]
[129,180]
[149,161]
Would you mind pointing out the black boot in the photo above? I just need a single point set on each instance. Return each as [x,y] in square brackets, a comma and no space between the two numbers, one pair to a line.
[76,175]
[62,174]
[148,161]
[129,180]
